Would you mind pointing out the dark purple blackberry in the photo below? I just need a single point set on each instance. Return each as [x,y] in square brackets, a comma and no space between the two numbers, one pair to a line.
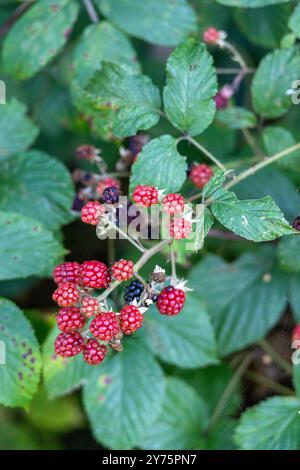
[78,204]
[111,195]
[133,291]
[296,223]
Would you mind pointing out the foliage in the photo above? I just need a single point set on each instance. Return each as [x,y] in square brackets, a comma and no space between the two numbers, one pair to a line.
[144,66]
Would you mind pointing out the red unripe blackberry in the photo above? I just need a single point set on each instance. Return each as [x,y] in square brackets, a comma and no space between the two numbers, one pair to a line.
[89,306]
[200,174]
[95,274]
[170,301]
[105,326]
[69,319]
[107,183]
[131,319]
[122,270]
[173,203]
[296,333]
[94,352]
[67,272]
[68,344]
[92,212]
[211,36]
[145,195]
[66,295]
[180,228]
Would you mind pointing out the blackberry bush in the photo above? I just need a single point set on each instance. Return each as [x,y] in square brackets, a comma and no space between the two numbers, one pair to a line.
[149,224]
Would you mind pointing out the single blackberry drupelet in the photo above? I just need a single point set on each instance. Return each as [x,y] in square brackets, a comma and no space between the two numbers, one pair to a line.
[111,195]
[133,291]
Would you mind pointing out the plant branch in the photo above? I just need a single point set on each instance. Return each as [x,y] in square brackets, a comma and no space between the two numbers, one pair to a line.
[206,152]
[5,27]
[252,143]
[173,263]
[91,11]
[265,346]
[126,236]
[138,265]
[262,164]
[232,384]
[269,383]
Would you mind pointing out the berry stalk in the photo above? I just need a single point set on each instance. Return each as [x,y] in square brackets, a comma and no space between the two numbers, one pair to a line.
[138,265]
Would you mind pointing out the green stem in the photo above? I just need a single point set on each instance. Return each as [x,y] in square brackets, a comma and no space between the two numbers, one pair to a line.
[232,384]
[91,11]
[275,356]
[173,263]
[262,164]
[206,152]
[269,383]
[138,265]
[252,143]
[126,236]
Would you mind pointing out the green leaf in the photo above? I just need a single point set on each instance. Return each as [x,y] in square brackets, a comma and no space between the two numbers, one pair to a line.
[186,340]
[270,181]
[62,376]
[17,132]
[210,383]
[294,295]
[274,424]
[124,396]
[214,188]
[57,416]
[100,42]
[221,435]
[190,88]
[26,247]
[255,219]
[264,26]
[43,185]
[159,164]
[275,140]
[236,118]
[164,23]
[294,21]
[20,372]
[131,101]
[272,80]
[243,315]
[289,253]
[182,418]
[296,374]
[38,36]
[250,3]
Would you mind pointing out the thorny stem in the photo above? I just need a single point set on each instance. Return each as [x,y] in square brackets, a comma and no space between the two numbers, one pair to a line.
[206,152]
[232,384]
[91,11]
[275,356]
[138,265]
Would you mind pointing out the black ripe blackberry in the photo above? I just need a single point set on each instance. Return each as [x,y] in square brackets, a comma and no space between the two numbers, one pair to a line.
[111,195]
[133,291]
